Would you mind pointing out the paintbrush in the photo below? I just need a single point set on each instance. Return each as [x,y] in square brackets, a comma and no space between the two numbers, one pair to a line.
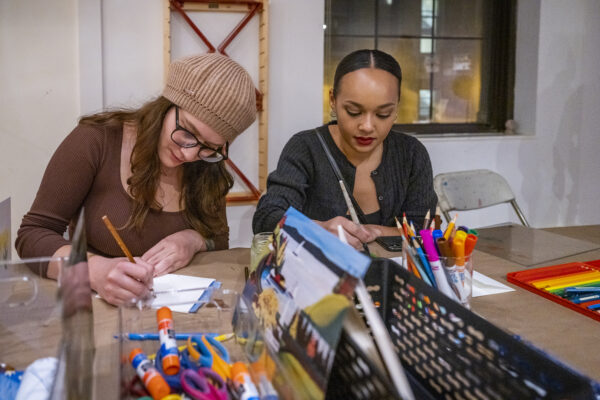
[353,214]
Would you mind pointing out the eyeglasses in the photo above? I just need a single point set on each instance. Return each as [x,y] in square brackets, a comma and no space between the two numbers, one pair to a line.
[186,139]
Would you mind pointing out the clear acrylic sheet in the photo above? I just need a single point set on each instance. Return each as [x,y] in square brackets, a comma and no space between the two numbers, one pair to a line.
[528,246]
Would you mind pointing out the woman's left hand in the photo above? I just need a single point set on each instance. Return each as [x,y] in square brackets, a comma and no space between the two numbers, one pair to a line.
[174,251]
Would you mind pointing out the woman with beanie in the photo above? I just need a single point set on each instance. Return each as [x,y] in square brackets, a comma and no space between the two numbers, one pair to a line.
[156,172]
[387,172]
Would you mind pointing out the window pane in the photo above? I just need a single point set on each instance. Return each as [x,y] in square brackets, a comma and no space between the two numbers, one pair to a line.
[455,18]
[350,17]
[456,56]
[414,76]
[399,18]
[457,81]
[460,18]
[452,74]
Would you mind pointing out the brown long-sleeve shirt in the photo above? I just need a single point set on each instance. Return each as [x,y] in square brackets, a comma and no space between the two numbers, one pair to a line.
[85,171]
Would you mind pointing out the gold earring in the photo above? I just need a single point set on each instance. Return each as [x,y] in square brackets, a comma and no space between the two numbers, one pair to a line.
[333,114]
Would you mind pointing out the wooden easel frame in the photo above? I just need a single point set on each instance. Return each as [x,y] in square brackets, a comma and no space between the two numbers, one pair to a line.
[250,8]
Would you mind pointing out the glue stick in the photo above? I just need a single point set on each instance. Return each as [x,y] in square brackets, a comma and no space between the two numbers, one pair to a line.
[153,380]
[243,384]
[168,344]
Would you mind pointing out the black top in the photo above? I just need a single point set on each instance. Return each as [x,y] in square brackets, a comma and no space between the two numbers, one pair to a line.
[305,180]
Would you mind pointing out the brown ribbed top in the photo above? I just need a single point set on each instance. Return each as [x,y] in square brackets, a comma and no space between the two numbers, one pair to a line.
[85,171]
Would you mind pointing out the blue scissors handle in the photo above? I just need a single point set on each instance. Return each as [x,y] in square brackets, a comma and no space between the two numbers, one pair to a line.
[202,348]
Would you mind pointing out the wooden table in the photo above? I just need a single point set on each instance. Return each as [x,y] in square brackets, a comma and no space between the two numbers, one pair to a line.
[570,336]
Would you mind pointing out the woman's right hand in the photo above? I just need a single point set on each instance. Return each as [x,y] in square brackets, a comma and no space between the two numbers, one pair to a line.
[118,281]
[356,235]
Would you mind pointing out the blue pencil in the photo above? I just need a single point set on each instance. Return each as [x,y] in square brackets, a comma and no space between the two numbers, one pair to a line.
[583,299]
[155,336]
[425,263]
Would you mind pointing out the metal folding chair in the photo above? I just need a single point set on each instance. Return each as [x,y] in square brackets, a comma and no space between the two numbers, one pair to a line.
[474,189]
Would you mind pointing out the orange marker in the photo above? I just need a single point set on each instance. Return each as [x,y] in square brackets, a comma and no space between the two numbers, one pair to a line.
[153,380]
[168,344]
[458,248]
[470,242]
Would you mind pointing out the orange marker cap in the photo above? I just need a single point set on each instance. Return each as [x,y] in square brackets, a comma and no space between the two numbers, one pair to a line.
[470,242]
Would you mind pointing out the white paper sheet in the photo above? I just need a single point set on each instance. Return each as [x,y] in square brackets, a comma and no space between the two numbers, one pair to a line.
[397,259]
[484,285]
[179,292]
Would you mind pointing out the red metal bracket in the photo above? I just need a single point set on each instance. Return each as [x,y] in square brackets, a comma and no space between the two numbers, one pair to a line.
[253,8]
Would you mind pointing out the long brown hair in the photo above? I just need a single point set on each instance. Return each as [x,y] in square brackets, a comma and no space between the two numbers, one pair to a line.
[204,185]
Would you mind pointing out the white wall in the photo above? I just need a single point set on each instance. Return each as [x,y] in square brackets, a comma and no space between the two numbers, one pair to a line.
[63,58]
[39,93]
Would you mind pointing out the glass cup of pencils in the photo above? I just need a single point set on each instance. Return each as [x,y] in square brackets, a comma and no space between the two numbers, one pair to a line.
[259,248]
[441,264]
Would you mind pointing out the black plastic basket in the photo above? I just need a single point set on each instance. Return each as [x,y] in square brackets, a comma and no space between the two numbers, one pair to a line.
[447,351]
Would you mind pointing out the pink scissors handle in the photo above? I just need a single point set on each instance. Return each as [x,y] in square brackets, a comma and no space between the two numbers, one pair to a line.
[204,384]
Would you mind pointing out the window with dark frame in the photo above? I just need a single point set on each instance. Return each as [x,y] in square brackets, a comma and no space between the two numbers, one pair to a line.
[457,58]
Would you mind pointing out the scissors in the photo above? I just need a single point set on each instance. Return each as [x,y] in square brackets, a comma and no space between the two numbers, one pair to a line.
[208,352]
[203,384]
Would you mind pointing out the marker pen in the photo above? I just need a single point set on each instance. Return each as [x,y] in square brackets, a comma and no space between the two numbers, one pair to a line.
[470,242]
[458,248]
[436,265]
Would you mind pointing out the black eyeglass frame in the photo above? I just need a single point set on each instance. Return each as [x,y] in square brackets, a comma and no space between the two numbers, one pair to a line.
[203,146]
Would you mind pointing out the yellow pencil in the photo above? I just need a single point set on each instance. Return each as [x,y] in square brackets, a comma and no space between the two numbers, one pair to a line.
[118,239]
[571,278]
[450,227]
[578,283]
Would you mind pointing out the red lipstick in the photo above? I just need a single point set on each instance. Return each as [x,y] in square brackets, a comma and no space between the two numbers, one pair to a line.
[364,141]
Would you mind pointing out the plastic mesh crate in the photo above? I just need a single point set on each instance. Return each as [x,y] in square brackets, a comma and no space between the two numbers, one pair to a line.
[448,351]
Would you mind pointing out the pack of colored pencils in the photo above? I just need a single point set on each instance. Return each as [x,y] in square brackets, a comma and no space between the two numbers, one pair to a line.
[573,285]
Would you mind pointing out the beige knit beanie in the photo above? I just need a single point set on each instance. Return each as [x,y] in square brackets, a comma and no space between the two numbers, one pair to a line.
[216,90]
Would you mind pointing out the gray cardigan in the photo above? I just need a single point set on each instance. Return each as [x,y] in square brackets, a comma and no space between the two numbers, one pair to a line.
[305,180]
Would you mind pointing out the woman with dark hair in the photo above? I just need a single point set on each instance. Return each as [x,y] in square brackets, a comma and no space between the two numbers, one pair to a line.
[388,173]
[156,172]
